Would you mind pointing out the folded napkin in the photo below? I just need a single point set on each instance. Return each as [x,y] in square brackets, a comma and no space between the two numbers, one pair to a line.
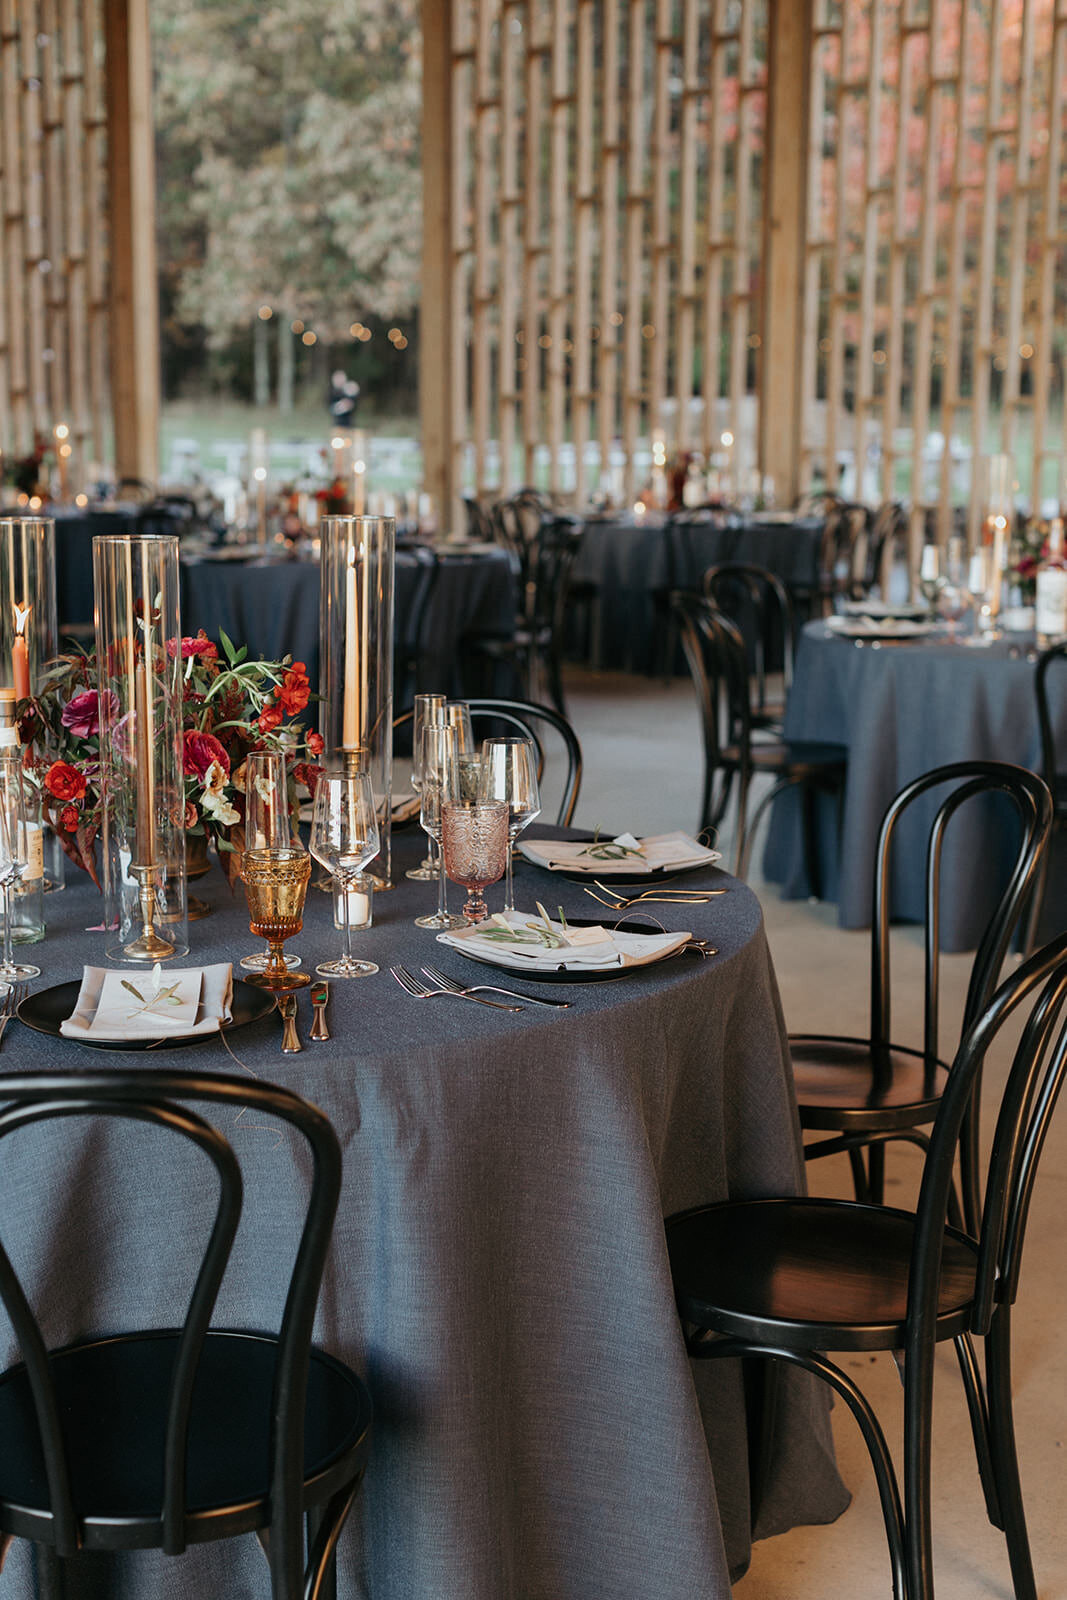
[587,949]
[160,1004]
[625,856]
[879,627]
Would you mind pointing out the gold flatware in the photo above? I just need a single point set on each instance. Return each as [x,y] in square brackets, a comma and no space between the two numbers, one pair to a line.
[10,1003]
[419,991]
[320,994]
[659,896]
[290,1039]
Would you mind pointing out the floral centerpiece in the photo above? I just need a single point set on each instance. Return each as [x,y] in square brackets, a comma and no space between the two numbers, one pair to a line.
[1028,550]
[231,706]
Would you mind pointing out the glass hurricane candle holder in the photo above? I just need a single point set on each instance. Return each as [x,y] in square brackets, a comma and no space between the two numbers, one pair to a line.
[142,784]
[356,655]
[29,633]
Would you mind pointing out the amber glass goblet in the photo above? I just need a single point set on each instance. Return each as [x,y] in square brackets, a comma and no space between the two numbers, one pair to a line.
[276,882]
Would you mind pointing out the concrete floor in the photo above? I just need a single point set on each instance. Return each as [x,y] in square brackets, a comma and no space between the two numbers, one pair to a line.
[643,764]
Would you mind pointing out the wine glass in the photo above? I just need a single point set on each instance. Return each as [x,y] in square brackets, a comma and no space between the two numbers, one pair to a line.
[510,773]
[13,858]
[266,823]
[953,600]
[458,716]
[276,881]
[344,837]
[474,847]
[440,783]
[428,708]
[932,578]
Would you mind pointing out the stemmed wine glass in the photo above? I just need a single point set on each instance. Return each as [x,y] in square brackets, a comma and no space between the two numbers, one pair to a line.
[344,837]
[474,847]
[932,578]
[440,783]
[12,859]
[428,708]
[953,600]
[509,772]
[267,824]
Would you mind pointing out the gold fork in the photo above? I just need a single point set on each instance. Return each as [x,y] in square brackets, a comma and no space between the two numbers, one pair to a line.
[661,896]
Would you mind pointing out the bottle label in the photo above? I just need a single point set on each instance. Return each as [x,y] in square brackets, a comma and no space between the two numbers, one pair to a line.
[1050,617]
[31,844]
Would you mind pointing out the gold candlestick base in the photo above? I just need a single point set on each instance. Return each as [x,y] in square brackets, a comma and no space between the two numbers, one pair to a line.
[150,946]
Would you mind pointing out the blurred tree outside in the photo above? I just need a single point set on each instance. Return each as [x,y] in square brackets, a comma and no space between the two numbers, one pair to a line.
[289,182]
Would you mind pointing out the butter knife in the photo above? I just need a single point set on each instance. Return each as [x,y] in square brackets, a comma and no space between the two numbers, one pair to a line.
[320,994]
[290,1039]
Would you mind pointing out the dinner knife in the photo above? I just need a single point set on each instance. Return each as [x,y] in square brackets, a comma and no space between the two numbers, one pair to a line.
[320,994]
[290,1038]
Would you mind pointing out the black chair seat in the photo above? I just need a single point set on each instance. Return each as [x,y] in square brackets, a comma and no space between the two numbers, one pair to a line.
[113,1397]
[838,1088]
[778,755]
[810,1274]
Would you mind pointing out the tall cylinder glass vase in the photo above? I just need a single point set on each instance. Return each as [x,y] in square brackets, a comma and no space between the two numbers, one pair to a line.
[138,629]
[29,637]
[356,656]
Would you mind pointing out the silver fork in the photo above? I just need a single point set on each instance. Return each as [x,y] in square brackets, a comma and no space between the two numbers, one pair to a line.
[419,991]
[490,988]
[9,1005]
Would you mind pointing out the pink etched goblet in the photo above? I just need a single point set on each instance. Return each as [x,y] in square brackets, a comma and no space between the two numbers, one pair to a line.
[474,843]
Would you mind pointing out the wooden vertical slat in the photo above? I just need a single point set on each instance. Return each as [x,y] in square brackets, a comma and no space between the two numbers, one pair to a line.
[484,107]
[532,246]
[785,243]
[993,136]
[585,199]
[33,215]
[437,332]
[713,263]
[56,322]
[872,211]
[685,322]
[94,136]
[14,229]
[510,269]
[1045,341]
[660,184]
[814,256]
[459,176]
[559,252]
[741,254]
[951,386]
[924,320]
[634,255]
[1018,233]
[899,247]
[835,388]
[607,345]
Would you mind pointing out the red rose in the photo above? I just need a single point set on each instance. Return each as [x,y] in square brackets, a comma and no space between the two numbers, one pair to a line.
[68,819]
[270,717]
[64,781]
[294,690]
[316,743]
[201,749]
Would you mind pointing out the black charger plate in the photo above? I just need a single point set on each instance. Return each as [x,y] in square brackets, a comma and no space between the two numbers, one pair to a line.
[45,1009]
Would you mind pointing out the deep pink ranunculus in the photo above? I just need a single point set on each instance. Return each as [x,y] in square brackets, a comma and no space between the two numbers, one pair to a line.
[81,714]
[200,646]
[201,749]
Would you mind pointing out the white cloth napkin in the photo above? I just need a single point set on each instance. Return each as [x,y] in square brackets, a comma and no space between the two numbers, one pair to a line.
[589,949]
[879,628]
[169,1003]
[664,851]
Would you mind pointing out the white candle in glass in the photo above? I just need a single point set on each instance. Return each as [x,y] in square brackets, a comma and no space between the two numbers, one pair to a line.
[350,730]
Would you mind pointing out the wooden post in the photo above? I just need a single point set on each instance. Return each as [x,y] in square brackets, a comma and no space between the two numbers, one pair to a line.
[785,243]
[134,297]
[435,321]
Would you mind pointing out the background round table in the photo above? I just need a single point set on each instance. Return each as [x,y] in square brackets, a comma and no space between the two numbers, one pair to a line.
[498,1270]
[901,709]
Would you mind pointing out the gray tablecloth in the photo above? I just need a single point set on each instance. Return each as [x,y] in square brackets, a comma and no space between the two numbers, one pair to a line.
[498,1269]
[628,569]
[901,710]
[275,608]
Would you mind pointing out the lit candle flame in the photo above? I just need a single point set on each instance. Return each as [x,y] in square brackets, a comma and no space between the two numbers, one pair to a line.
[22,617]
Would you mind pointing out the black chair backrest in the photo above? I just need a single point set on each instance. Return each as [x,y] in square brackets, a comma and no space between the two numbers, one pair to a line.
[160,1099]
[888,527]
[1056,652]
[1022,1120]
[715,652]
[752,594]
[532,719]
[479,520]
[543,545]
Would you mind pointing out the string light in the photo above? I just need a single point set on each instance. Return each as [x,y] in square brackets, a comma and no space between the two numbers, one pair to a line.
[265,313]
[310,338]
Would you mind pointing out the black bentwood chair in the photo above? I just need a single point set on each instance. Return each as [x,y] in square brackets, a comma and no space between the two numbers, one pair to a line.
[177,1436]
[1056,779]
[758,601]
[868,1092]
[791,1279]
[715,653]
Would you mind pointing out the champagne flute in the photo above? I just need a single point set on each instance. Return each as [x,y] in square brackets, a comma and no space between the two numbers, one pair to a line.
[428,708]
[509,772]
[13,814]
[344,837]
[458,716]
[931,576]
[266,823]
[474,847]
[440,782]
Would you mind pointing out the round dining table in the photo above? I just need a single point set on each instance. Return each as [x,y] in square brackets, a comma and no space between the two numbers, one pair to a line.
[900,707]
[498,1272]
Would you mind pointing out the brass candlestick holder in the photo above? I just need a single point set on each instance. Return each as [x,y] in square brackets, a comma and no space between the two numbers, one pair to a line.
[150,946]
